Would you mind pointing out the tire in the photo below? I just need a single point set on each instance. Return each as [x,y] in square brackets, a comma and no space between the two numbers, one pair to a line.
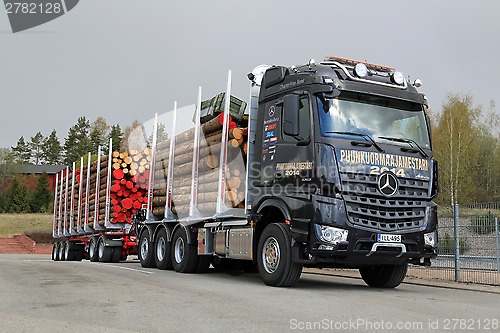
[184,256]
[55,251]
[163,251]
[104,253]
[146,250]
[92,250]
[384,276]
[274,259]
[203,264]
[69,255]
[117,254]
[61,251]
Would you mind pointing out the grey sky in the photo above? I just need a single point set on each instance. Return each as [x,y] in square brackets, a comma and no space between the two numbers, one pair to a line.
[128,59]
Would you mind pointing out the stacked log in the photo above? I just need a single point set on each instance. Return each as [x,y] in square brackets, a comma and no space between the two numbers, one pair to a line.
[208,169]
[127,191]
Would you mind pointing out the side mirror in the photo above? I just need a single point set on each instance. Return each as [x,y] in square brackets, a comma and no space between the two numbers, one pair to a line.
[291,106]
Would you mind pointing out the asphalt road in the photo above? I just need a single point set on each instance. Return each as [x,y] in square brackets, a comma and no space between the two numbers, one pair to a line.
[39,295]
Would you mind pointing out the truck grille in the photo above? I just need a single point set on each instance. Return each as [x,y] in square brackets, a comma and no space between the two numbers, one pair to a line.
[367,207]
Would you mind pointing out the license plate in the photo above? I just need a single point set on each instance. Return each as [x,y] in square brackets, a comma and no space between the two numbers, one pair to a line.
[387,238]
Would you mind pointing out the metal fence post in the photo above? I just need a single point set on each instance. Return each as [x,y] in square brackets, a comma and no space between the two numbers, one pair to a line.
[497,244]
[456,225]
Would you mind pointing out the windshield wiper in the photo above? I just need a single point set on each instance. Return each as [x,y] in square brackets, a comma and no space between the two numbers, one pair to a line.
[366,136]
[409,141]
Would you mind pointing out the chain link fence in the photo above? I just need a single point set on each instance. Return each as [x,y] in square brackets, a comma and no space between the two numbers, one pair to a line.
[469,246]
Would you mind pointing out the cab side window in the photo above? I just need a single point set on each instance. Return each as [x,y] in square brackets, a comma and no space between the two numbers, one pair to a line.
[304,122]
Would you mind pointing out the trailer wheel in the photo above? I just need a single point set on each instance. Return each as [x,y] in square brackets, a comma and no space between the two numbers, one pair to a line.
[92,250]
[104,253]
[184,256]
[163,252]
[384,276]
[69,255]
[117,254]
[61,251]
[146,250]
[274,258]
[55,251]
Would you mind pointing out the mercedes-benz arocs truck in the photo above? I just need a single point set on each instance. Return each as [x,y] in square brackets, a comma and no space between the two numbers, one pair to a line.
[336,171]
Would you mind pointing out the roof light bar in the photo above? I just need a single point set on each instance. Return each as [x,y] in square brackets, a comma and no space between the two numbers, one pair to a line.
[352,62]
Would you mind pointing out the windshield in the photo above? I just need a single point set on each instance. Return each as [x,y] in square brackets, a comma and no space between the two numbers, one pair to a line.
[380,118]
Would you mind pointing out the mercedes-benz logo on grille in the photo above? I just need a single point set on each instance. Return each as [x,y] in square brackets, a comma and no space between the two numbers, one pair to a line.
[388,184]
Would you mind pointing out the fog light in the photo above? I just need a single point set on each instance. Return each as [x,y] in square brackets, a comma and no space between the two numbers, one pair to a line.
[331,235]
[430,239]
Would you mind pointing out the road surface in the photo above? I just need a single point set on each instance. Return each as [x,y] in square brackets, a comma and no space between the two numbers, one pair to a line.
[39,295]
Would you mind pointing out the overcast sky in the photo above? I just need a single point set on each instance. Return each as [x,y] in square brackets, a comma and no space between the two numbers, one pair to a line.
[128,59]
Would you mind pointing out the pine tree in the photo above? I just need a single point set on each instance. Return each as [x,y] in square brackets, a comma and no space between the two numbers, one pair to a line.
[42,196]
[21,152]
[116,135]
[98,134]
[52,149]
[77,143]
[36,148]
[20,203]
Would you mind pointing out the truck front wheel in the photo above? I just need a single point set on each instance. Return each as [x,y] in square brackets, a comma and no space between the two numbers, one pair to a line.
[384,276]
[184,256]
[274,259]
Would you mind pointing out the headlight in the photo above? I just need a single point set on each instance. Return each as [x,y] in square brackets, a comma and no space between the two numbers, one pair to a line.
[431,239]
[331,235]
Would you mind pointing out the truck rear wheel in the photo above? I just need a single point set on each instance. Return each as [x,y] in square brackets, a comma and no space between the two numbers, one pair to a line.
[117,254]
[384,276]
[146,250]
[163,252]
[274,257]
[184,256]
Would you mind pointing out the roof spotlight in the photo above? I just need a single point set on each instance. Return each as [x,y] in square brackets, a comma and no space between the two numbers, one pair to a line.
[417,83]
[360,70]
[397,78]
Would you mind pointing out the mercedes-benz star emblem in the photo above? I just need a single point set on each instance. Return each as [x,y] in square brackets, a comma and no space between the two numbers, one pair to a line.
[388,184]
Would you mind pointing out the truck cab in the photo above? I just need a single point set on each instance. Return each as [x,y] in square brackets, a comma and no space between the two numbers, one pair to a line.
[343,156]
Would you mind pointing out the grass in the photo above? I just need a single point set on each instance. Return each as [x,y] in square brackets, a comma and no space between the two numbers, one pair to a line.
[18,224]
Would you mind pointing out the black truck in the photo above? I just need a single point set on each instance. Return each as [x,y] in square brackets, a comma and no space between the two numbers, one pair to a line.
[338,173]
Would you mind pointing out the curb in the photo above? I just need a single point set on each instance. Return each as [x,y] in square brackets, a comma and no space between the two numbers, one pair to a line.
[412,281]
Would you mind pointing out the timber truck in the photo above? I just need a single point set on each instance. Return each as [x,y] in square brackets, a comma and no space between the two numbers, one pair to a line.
[327,165]
[335,169]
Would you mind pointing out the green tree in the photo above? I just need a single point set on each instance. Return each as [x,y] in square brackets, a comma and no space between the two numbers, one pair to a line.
[98,134]
[52,149]
[20,200]
[36,148]
[116,135]
[77,143]
[456,146]
[21,152]
[41,198]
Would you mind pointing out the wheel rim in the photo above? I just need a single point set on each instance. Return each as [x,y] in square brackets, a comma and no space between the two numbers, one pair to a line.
[179,250]
[61,252]
[91,249]
[101,249]
[144,248]
[271,255]
[66,251]
[160,249]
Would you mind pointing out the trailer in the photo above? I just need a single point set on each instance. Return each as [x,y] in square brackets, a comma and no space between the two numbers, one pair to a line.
[331,166]
[94,205]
